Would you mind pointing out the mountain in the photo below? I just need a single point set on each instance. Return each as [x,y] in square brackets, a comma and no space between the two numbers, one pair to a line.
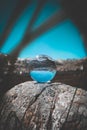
[71,71]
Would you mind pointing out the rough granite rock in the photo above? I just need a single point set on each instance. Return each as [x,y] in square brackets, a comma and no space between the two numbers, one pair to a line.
[49,106]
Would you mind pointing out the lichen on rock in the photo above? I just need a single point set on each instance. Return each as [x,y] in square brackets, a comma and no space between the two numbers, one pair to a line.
[35,106]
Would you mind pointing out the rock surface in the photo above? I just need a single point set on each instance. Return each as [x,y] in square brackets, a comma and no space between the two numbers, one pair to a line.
[49,106]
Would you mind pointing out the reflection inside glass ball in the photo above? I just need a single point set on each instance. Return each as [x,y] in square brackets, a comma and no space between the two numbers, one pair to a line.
[42,69]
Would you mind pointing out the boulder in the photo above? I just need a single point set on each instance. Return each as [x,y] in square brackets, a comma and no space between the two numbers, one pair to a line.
[48,106]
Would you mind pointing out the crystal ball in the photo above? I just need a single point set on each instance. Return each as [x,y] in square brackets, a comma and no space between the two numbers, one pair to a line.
[42,68]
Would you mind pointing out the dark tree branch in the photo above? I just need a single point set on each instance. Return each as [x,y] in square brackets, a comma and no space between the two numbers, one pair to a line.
[48,24]
[28,32]
[13,59]
[37,11]
[16,13]
[76,9]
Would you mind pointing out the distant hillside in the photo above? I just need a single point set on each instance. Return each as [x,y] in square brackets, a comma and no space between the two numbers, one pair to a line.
[22,65]
[71,72]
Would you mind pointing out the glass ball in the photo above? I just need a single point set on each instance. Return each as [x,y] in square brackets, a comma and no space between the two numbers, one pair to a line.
[42,68]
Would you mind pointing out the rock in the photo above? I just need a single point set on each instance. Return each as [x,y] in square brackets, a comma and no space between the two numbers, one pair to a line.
[48,106]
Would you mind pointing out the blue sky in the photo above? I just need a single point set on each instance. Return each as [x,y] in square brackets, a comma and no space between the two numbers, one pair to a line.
[63,41]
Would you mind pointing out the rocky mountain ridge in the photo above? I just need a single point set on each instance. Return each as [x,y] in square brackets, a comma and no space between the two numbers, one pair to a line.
[70,72]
